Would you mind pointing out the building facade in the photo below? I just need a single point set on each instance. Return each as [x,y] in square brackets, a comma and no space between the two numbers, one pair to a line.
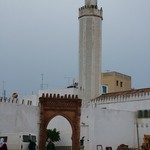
[115,82]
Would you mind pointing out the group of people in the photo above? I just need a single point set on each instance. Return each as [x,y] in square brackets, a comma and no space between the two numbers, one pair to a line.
[32,145]
[3,145]
[49,145]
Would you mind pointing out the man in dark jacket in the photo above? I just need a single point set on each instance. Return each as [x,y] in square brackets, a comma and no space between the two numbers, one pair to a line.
[32,145]
[50,146]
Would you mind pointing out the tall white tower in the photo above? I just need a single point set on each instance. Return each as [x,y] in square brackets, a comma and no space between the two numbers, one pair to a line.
[90,49]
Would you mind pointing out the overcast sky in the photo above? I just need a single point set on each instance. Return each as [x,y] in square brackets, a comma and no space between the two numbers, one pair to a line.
[41,37]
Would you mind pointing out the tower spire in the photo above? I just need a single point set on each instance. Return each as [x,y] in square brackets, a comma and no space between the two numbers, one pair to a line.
[90,2]
[90,49]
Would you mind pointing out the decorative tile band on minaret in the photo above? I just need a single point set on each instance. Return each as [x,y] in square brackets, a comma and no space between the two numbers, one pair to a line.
[90,49]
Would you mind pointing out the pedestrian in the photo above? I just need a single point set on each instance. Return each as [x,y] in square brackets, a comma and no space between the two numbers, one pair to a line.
[82,141]
[32,145]
[3,145]
[50,145]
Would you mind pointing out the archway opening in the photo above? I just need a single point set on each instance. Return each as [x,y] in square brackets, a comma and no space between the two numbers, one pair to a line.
[62,125]
[67,106]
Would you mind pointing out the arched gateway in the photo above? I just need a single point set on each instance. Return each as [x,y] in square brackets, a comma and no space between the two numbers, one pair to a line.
[68,106]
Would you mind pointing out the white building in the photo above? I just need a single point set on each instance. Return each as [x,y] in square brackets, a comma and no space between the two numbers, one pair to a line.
[120,117]
[109,120]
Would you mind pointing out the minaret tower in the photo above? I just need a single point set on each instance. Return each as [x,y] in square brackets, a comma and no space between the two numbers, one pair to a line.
[90,49]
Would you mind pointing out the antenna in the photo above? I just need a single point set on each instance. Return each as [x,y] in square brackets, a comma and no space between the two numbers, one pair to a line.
[42,76]
[3,90]
[42,82]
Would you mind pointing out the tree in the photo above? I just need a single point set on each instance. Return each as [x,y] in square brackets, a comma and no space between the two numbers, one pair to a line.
[53,134]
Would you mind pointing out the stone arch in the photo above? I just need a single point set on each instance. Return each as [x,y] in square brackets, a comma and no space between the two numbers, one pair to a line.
[68,106]
[60,114]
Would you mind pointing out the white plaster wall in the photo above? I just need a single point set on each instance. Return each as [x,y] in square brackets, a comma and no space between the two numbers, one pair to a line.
[84,124]
[143,128]
[130,105]
[29,98]
[108,128]
[16,118]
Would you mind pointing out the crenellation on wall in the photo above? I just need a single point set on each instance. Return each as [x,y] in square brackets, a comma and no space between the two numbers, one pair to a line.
[58,96]
[17,101]
[88,6]
[122,97]
[90,10]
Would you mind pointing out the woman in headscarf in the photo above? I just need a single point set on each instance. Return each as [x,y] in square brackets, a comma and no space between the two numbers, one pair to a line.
[3,145]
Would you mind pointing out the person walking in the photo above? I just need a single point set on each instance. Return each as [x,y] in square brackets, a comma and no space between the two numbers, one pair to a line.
[3,145]
[50,145]
[32,145]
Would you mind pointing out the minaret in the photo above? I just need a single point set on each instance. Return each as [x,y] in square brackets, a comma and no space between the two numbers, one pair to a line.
[90,2]
[90,49]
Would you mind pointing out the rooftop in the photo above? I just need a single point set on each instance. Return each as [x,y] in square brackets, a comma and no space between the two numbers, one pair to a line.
[125,93]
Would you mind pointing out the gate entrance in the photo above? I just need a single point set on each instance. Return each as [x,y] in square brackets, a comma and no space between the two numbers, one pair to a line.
[68,106]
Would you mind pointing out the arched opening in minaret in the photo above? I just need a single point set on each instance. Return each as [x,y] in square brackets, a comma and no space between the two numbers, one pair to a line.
[63,126]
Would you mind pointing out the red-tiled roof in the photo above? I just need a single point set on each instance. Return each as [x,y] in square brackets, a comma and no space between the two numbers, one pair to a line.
[124,93]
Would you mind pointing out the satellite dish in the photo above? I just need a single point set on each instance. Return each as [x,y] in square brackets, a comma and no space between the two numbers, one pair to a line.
[14,95]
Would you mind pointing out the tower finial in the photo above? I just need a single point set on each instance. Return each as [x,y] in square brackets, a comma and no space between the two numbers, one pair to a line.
[90,2]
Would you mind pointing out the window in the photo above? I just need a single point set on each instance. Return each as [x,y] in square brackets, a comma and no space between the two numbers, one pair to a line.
[104,89]
[149,113]
[34,138]
[27,137]
[117,82]
[121,84]
[145,113]
[140,114]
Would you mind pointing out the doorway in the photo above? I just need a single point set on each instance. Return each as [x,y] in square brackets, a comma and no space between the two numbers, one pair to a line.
[68,106]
